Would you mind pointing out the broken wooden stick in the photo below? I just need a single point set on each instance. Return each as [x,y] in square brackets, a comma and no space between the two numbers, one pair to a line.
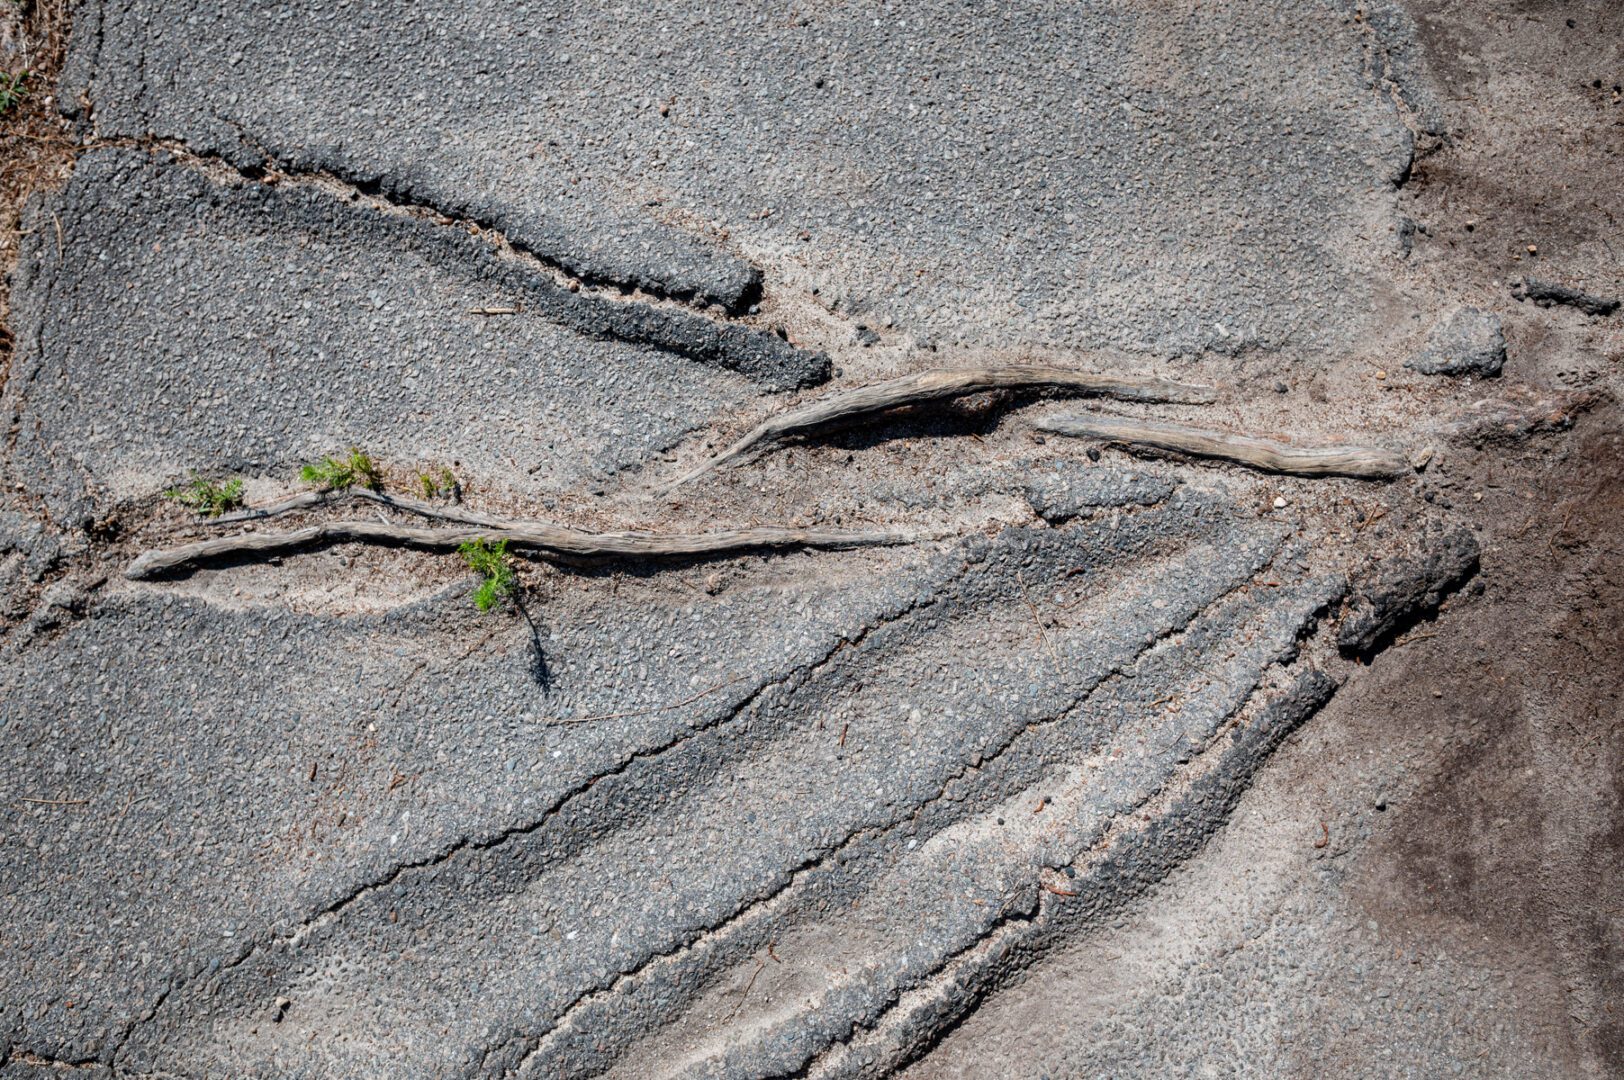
[940,383]
[303,500]
[1362,462]
[549,539]
[307,500]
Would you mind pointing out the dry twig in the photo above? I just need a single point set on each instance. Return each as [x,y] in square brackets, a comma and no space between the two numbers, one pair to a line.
[1363,462]
[308,500]
[546,538]
[941,383]
[304,500]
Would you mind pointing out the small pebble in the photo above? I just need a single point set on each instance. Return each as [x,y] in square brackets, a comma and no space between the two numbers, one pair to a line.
[1279,502]
[1381,374]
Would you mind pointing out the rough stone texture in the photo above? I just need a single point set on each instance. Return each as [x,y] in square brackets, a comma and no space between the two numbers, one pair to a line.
[1418,883]
[197,323]
[28,551]
[391,134]
[1469,342]
[1060,491]
[1091,174]
[480,872]
[1546,294]
[1081,783]
[1407,587]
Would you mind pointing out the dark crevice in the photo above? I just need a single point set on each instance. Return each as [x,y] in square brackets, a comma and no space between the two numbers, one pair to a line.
[836,851]
[1100,881]
[335,909]
[534,1041]
[484,250]
[734,292]
[1128,861]
[714,276]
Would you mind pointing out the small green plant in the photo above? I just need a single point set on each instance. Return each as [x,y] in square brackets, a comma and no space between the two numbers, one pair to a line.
[337,473]
[491,563]
[442,486]
[207,497]
[13,89]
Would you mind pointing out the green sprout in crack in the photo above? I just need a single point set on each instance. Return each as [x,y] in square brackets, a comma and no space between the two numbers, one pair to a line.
[13,89]
[337,473]
[442,486]
[491,563]
[207,497]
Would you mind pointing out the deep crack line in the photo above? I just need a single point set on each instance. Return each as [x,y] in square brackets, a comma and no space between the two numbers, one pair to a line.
[1171,641]
[1216,779]
[334,911]
[757,351]
[818,859]
[732,283]
[817,668]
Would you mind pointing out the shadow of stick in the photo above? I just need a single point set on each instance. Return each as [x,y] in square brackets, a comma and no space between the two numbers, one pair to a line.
[538,664]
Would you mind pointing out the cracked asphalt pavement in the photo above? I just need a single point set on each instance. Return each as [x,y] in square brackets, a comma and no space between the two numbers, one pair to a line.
[1128,763]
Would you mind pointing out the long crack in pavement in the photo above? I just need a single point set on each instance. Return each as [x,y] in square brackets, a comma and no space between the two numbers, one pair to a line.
[797,813]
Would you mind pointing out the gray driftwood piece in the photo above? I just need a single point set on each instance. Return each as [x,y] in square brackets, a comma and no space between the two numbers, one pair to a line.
[302,501]
[1361,462]
[309,500]
[549,539]
[940,383]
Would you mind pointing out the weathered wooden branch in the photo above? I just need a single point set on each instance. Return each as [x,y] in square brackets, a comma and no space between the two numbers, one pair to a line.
[302,501]
[942,383]
[548,539]
[307,500]
[1363,462]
